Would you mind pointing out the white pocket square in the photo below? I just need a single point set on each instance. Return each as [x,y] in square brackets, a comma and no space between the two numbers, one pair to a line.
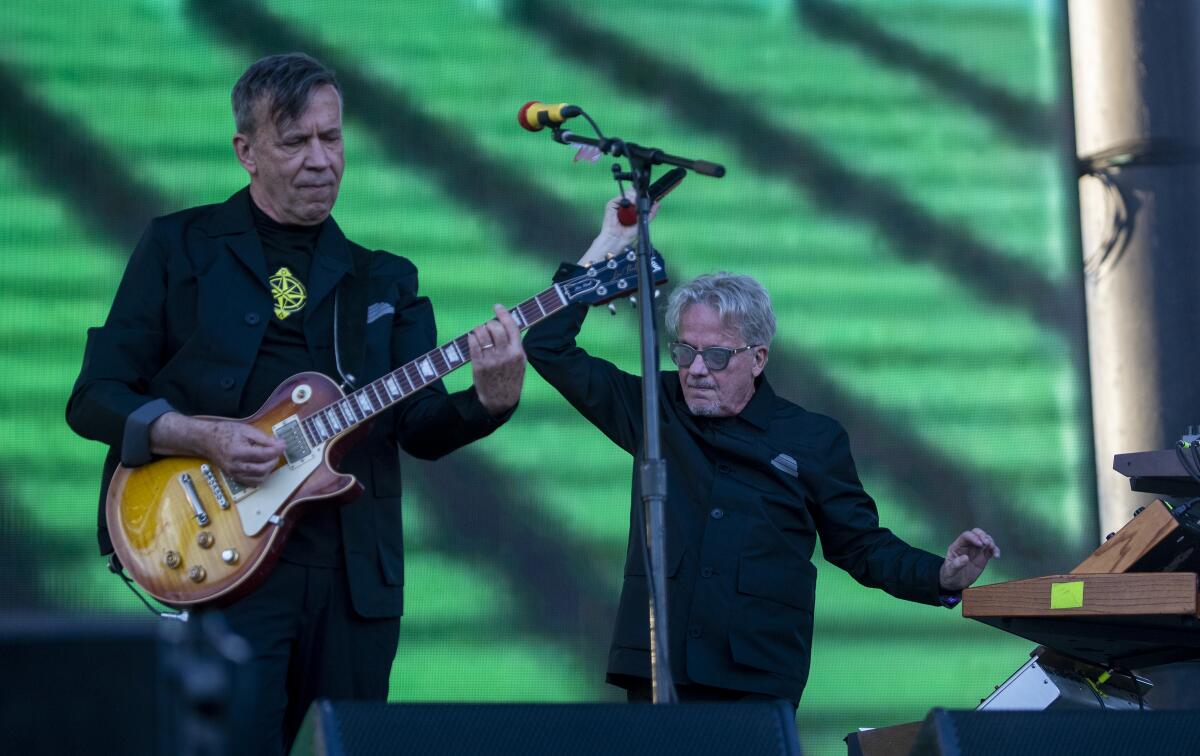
[378,310]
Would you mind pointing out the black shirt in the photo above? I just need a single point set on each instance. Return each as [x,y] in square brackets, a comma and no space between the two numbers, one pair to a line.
[747,498]
[288,250]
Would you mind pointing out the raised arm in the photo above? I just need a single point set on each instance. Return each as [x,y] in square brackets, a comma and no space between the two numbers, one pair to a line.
[608,397]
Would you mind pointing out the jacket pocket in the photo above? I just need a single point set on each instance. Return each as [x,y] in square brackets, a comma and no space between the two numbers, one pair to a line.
[770,627]
[794,586]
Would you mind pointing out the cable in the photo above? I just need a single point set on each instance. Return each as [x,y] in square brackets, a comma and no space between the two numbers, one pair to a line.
[595,128]
[1110,248]
[1189,458]
[115,568]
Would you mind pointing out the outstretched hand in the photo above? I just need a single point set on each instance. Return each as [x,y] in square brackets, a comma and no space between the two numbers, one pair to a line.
[966,558]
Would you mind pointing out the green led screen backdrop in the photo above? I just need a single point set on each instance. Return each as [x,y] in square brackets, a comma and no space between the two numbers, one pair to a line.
[898,177]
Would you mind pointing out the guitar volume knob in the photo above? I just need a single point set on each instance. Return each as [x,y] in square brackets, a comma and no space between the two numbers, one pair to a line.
[229,556]
[197,574]
[205,539]
[172,559]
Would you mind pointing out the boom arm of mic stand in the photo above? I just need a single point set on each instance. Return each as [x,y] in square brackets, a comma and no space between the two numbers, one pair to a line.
[651,155]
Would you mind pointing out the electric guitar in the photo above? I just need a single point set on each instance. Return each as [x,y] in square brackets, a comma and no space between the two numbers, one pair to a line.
[189,534]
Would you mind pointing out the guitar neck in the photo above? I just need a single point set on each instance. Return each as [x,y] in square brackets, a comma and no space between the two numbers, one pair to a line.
[390,389]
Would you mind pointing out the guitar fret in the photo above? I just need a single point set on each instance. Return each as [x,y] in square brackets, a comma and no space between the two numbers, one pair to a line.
[350,412]
[518,314]
[338,411]
[379,398]
[392,387]
[413,375]
[562,297]
[437,361]
[426,368]
[398,375]
[440,362]
[464,346]
[527,313]
[310,435]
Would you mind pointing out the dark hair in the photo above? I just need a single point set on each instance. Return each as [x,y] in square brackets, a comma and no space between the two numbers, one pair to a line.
[283,83]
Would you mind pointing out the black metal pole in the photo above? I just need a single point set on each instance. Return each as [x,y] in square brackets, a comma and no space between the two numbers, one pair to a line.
[653,468]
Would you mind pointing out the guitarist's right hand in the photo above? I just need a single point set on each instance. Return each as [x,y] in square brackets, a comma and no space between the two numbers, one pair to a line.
[242,451]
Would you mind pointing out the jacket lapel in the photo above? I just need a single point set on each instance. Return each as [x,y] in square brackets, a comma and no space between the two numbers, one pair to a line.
[232,223]
[330,263]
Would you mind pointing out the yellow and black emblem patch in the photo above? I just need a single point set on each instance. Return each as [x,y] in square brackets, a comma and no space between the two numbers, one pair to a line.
[288,292]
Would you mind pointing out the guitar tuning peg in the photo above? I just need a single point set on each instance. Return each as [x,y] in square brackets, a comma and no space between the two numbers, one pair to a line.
[612,308]
[633,301]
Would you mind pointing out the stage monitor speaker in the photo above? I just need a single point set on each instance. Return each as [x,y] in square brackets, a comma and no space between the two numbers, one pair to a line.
[377,729]
[74,685]
[1058,733]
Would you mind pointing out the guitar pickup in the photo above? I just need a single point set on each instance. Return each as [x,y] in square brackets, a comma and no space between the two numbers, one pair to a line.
[218,494]
[296,449]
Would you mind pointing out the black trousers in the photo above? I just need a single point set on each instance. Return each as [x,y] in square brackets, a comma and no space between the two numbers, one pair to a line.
[307,643]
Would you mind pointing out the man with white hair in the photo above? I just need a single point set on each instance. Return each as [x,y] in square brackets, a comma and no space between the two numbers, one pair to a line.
[753,480]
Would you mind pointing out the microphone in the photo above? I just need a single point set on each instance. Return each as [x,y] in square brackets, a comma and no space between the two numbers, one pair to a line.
[535,116]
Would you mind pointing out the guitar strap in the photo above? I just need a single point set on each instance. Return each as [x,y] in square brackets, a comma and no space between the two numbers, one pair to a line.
[350,326]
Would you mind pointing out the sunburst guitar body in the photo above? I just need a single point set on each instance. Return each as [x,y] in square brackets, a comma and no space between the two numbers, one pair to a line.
[189,534]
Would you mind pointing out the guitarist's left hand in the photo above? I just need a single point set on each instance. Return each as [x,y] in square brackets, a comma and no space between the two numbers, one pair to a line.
[497,362]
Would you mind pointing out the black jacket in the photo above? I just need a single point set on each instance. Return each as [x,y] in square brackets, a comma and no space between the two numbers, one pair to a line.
[747,497]
[186,325]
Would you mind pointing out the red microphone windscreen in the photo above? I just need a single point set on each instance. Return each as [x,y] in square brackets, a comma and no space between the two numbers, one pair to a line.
[523,117]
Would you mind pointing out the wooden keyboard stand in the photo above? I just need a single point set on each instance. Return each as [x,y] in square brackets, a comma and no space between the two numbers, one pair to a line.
[1102,611]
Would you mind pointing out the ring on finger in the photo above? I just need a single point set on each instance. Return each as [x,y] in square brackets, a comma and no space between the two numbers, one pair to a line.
[487,346]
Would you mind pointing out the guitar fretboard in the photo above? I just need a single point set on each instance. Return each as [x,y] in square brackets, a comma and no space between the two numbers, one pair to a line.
[406,380]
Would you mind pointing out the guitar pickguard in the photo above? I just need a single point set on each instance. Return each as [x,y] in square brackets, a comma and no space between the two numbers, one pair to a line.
[256,506]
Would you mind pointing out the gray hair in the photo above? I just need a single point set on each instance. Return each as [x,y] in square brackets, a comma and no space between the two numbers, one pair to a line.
[283,83]
[740,301]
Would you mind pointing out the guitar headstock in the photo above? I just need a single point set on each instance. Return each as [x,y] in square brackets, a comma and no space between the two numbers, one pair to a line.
[611,279]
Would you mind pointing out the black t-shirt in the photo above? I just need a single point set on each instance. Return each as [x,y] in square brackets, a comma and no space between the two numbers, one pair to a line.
[316,539]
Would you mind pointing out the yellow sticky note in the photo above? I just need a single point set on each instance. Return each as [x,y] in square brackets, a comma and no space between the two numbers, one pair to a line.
[1066,595]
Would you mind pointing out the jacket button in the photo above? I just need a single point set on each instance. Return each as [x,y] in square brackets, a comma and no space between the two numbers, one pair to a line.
[252,318]
[706,572]
[227,383]
[717,513]
[722,468]
[694,631]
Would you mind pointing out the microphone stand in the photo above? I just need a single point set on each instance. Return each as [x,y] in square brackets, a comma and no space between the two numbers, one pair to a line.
[652,472]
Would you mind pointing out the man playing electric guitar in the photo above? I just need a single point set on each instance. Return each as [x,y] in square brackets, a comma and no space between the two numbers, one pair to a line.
[219,305]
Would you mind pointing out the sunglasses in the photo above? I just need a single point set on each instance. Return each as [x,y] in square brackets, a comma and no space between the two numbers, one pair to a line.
[715,358]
